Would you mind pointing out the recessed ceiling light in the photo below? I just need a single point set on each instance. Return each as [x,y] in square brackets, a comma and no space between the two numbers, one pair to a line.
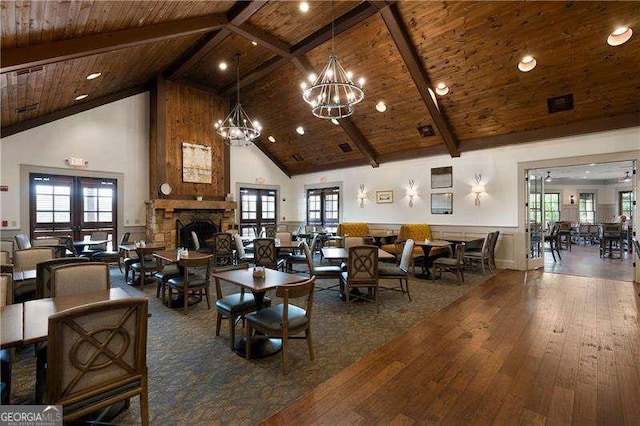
[300,130]
[334,121]
[94,75]
[527,63]
[620,36]
[81,97]
[588,171]
[271,139]
[592,164]
[304,7]
[222,65]
[255,43]
[381,106]
[442,89]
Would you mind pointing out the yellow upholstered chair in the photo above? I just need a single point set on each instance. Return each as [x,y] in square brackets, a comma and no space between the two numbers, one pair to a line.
[416,232]
[353,229]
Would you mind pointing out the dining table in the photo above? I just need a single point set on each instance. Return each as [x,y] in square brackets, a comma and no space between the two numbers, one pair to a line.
[28,322]
[258,286]
[339,253]
[426,246]
[171,256]
[80,244]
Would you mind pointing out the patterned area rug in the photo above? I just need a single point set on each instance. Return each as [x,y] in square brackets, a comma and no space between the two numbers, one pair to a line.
[194,378]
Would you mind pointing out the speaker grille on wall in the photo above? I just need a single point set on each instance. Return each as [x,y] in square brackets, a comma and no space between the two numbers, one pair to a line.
[426,130]
[560,103]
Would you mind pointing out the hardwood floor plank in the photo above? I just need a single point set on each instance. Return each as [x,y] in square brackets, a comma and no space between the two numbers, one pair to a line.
[557,349]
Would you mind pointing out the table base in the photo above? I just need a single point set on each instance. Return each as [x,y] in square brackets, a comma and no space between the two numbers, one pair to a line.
[261,348]
[177,302]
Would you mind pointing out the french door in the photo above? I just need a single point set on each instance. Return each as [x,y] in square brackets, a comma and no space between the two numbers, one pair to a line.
[258,209]
[534,210]
[73,206]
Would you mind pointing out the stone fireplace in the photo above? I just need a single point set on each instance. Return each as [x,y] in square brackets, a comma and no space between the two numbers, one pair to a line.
[163,215]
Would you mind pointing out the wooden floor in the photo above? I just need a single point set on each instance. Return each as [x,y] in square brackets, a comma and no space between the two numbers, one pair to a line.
[585,260]
[558,349]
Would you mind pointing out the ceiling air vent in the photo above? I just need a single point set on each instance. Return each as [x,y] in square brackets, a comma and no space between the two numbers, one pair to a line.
[297,157]
[345,147]
[27,108]
[560,103]
[426,130]
[29,70]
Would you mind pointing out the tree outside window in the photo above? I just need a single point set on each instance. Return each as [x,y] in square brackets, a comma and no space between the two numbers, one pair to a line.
[587,207]
[552,206]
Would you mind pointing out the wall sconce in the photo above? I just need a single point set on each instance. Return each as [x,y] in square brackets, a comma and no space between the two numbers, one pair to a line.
[411,192]
[362,195]
[478,188]
[572,200]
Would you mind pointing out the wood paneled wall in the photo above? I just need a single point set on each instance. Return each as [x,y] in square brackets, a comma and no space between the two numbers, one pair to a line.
[181,113]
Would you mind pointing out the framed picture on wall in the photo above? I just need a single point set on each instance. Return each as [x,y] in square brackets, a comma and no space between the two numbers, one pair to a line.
[442,203]
[196,163]
[441,177]
[384,197]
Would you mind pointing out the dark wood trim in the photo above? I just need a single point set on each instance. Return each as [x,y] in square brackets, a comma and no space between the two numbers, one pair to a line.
[74,109]
[303,170]
[41,54]
[428,151]
[227,168]
[572,129]
[400,35]
[263,38]
[304,66]
[258,143]
[240,12]
[255,75]
[359,140]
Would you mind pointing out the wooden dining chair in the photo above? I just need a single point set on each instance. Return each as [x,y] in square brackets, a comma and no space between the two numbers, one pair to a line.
[234,306]
[79,278]
[190,282]
[222,249]
[97,356]
[6,298]
[264,253]
[400,272]
[43,273]
[241,255]
[285,320]
[450,264]
[362,273]
[147,265]
[28,259]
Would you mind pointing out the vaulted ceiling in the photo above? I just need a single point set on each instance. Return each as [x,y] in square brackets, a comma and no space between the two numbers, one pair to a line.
[402,49]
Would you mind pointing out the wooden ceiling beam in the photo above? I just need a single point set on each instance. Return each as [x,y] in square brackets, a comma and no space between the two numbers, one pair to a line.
[359,140]
[263,38]
[240,12]
[258,143]
[400,35]
[255,74]
[563,131]
[42,54]
[75,109]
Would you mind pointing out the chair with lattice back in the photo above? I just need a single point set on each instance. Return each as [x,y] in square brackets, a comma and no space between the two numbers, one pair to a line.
[265,254]
[97,356]
[362,273]
[222,249]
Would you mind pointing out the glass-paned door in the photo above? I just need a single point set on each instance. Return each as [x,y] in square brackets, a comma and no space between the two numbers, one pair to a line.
[323,207]
[258,210]
[534,215]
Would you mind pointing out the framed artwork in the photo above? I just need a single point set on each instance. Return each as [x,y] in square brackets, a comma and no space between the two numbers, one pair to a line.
[196,163]
[442,203]
[441,177]
[384,197]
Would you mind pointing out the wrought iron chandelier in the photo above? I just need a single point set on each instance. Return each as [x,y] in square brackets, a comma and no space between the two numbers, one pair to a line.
[238,129]
[333,93]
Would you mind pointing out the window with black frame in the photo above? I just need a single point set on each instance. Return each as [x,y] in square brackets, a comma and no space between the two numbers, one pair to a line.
[625,203]
[323,206]
[258,209]
[552,206]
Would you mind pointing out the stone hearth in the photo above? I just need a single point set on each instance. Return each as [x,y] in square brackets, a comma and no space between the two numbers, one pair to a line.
[161,217]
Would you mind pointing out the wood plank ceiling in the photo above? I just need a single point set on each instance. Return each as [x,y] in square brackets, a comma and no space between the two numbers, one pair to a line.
[402,49]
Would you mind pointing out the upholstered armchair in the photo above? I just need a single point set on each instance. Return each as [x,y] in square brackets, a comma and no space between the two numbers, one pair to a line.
[354,229]
[416,232]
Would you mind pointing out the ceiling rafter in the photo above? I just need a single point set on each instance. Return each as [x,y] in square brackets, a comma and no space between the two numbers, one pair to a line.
[74,109]
[240,12]
[343,23]
[42,54]
[359,140]
[400,35]
[258,143]
[263,38]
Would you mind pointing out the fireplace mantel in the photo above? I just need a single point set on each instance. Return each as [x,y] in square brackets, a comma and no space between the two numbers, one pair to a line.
[170,205]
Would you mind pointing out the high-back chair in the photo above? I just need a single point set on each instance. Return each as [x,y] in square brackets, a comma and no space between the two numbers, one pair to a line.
[8,245]
[222,249]
[115,255]
[192,282]
[6,289]
[329,271]
[362,272]
[79,278]
[95,248]
[483,256]
[611,239]
[24,260]
[270,231]
[53,242]
[583,233]
[353,241]
[22,241]
[241,254]
[233,306]
[400,272]
[43,273]
[284,320]
[448,264]
[6,298]
[5,262]
[147,265]
[97,356]
[264,253]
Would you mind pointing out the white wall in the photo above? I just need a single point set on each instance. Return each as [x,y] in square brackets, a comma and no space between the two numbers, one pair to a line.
[112,138]
[499,169]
